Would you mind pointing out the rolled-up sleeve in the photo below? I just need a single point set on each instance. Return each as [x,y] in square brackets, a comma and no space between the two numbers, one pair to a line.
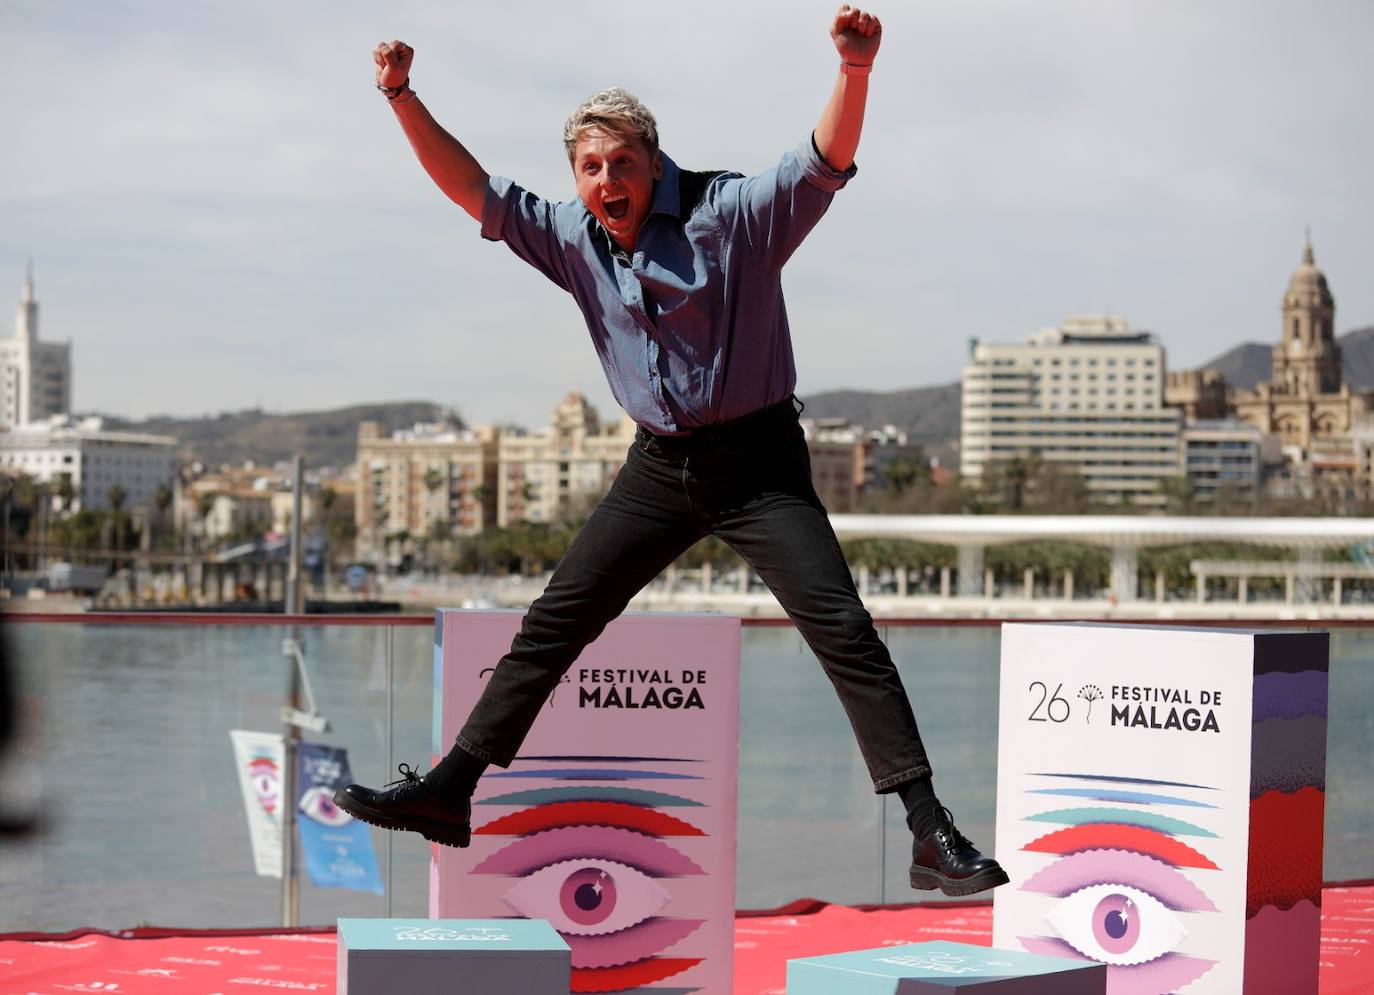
[817,171]
[775,210]
[528,224]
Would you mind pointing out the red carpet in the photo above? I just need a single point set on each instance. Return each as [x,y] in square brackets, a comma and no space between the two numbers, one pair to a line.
[160,962]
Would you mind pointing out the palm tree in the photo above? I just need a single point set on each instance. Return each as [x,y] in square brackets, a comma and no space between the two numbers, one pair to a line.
[204,505]
[65,490]
[162,500]
[117,495]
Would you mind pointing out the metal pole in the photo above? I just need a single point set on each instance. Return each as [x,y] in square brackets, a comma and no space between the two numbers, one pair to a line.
[295,592]
[390,709]
[295,605]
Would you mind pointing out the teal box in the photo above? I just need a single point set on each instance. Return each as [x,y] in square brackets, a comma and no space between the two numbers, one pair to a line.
[452,957]
[942,968]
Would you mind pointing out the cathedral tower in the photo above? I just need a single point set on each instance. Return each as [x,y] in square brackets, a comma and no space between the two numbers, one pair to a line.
[1307,359]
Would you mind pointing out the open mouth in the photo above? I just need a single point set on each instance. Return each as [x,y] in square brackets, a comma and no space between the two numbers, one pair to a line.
[617,207]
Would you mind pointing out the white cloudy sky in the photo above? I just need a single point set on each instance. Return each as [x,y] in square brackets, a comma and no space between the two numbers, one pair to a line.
[223,212]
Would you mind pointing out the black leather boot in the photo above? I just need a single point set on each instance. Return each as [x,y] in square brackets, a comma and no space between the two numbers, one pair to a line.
[411,806]
[945,859]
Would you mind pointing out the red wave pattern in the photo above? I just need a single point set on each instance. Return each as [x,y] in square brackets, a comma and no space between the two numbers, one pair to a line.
[1285,850]
[618,815]
[1099,836]
[637,975]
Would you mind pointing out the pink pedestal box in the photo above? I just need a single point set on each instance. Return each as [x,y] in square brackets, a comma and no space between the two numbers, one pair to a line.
[1159,804]
[616,822]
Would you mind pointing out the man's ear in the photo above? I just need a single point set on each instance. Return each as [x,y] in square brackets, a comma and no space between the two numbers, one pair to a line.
[658,165]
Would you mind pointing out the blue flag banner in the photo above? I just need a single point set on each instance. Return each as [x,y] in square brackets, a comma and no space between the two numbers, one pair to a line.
[338,849]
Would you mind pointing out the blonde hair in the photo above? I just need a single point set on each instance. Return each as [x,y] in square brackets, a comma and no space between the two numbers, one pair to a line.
[616,111]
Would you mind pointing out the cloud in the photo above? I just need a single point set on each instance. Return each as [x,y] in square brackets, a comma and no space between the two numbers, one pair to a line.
[223,210]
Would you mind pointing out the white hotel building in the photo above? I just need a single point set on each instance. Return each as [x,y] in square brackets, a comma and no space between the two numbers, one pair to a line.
[39,438]
[93,459]
[1089,394]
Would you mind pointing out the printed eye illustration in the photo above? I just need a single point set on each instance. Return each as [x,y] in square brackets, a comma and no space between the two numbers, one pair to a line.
[597,862]
[318,803]
[266,782]
[588,897]
[1116,924]
[1120,889]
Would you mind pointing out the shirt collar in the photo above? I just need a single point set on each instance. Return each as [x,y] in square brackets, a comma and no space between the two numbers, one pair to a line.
[665,190]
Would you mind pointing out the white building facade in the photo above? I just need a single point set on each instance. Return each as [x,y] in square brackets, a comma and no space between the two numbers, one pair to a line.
[35,376]
[93,461]
[1089,395]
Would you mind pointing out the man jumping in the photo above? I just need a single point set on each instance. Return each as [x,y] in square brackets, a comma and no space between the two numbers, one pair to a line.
[678,276]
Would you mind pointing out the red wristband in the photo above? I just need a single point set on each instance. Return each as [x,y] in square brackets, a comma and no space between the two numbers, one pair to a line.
[856,68]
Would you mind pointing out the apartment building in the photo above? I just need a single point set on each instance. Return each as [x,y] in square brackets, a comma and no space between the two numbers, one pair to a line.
[560,471]
[425,480]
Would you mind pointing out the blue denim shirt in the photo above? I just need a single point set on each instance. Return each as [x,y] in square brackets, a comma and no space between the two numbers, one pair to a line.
[690,328]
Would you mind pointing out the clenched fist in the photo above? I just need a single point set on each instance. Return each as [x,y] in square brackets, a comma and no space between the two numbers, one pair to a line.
[393,63]
[856,35]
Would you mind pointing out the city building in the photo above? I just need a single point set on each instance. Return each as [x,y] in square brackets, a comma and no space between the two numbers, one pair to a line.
[1200,394]
[837,451]
[431,480]
[561,471]
[1225,459]
[1088,395]
[35,376]
[249,500]
[90,461]
[1306,402]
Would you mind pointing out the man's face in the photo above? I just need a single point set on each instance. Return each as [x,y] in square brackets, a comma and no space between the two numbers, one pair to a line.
[615,177]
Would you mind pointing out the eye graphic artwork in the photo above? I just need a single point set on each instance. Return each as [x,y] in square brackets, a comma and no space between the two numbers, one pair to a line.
[1117,924]
[595,861]
[262,771]
[318,804]
[1123,901]
[593,896]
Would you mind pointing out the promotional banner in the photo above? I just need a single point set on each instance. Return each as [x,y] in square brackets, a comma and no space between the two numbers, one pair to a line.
[338,848]
[617,820]
[259,758]
[1159,804]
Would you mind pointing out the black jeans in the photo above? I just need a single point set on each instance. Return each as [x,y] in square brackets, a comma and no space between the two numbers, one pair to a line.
[748,482]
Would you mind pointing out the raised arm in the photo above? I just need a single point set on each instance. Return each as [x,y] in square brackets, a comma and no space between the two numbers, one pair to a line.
[449,165]
[856,35]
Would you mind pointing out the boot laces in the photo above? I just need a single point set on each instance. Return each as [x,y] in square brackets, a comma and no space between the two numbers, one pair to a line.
[948,834]
[408,776]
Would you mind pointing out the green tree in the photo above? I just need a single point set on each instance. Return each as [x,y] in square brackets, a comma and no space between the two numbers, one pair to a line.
[904,472]
[65,490]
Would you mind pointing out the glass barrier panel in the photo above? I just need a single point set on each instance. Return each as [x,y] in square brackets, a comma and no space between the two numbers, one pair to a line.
[129,740]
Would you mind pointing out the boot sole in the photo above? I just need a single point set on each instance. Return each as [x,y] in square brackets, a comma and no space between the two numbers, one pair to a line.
[443,833]
[928,880]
